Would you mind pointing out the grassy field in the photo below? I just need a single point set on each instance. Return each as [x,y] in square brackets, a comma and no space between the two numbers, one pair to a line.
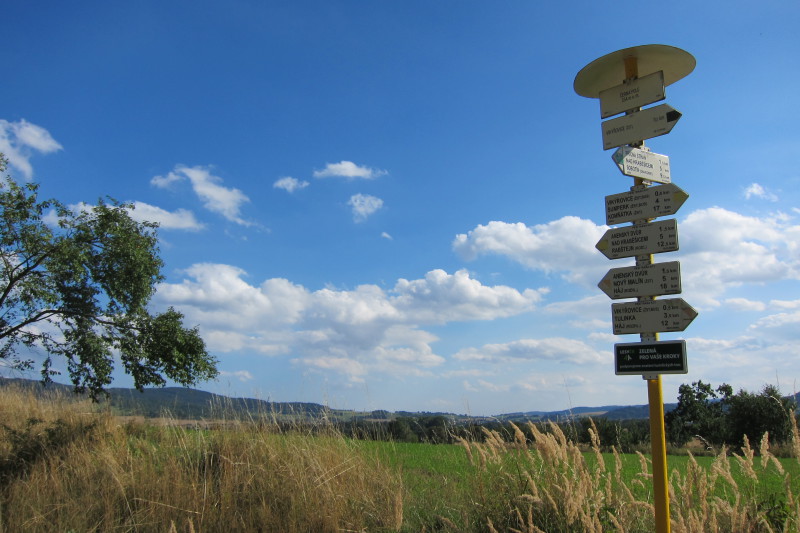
[66,467]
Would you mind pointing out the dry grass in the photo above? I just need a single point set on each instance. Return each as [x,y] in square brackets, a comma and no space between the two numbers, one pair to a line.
[66,468]
[550,486]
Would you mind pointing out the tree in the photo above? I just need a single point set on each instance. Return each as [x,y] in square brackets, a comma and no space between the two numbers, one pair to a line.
[755,414]
[78,288]
[700,413]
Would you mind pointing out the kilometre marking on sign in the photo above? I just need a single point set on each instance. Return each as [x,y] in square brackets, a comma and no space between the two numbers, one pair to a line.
[648,280]
[650,202]
[640,239]
[632,94]
[644,164]
[664,357]
[638,126]
[668,314]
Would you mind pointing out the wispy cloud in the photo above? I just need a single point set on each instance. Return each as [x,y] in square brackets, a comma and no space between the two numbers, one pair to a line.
[216,198]
[349,170]
[290,184]
[181,219]
[364,205]
[19,139]
[755,190]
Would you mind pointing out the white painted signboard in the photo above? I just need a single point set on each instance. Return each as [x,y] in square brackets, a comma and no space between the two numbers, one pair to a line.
[651,202]
[640,239]
[648,280]
[644,164]
[644,124]
[668,314]
[634,93]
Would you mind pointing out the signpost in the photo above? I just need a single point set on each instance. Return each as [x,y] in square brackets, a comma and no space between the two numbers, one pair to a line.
[632,93]
[643,71]
[644,203]
[664,357]
[635,127]
[671,314]
[639,239]
[647,280]
[640,163]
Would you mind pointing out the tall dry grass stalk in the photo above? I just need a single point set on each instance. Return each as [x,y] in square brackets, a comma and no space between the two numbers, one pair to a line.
[551,485]
[65,467]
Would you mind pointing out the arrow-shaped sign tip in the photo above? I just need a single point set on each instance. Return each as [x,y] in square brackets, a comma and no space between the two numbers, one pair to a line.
[673,115]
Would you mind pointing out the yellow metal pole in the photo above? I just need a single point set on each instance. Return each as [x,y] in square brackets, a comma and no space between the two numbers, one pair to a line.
[658,444]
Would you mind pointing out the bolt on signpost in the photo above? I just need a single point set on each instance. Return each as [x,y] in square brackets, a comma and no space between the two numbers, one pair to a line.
[625,81]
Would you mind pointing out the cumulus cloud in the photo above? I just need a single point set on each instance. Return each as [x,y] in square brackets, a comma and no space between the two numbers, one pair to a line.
[179,219]
[364,205]
[18,140]
[755,190]
[565,245]
[290,184]
[358,331]
[239,375]
[348,170]
[216,198]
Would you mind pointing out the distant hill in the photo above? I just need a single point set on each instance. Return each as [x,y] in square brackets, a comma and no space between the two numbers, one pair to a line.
[193,404]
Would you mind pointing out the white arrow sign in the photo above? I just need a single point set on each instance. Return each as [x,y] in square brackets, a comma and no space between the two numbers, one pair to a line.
[643,164]
[648,280]
[640,239]
[652,202]
[632,94]
[644,124]
[669,314]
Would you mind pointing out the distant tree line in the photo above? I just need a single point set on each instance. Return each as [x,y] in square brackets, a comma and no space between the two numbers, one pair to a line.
[718,416]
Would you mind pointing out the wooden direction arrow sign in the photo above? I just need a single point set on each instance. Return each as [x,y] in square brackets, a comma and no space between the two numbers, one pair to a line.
[644,164]
[664,357]
[640,239]
[632,94]
[668,314]
[644,124]
[647,280]
[651,202]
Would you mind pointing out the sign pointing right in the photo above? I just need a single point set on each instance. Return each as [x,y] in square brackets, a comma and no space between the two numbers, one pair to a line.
[638,126]
[652,202]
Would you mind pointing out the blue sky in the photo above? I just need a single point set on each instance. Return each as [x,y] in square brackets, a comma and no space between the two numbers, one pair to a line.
[394,205]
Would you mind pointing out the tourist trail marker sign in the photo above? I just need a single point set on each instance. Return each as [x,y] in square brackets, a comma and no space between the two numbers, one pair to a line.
[658,279]
[632,94]
[644,124]
[638,163]
[643,72]
[650,202]
[640,239]
[654,316]
[664,357]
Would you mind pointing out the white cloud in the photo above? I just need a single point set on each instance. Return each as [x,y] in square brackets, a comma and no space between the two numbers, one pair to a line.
[363,330]
[19,139]
[743,304]
[290,184]
[364,205]
[755,190]
[552,349]
[216,198]
[386,236]
[240,375]
[565,245]
[349,170]
[178,219]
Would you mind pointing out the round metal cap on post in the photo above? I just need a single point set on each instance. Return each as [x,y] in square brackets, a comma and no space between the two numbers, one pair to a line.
[609,70]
